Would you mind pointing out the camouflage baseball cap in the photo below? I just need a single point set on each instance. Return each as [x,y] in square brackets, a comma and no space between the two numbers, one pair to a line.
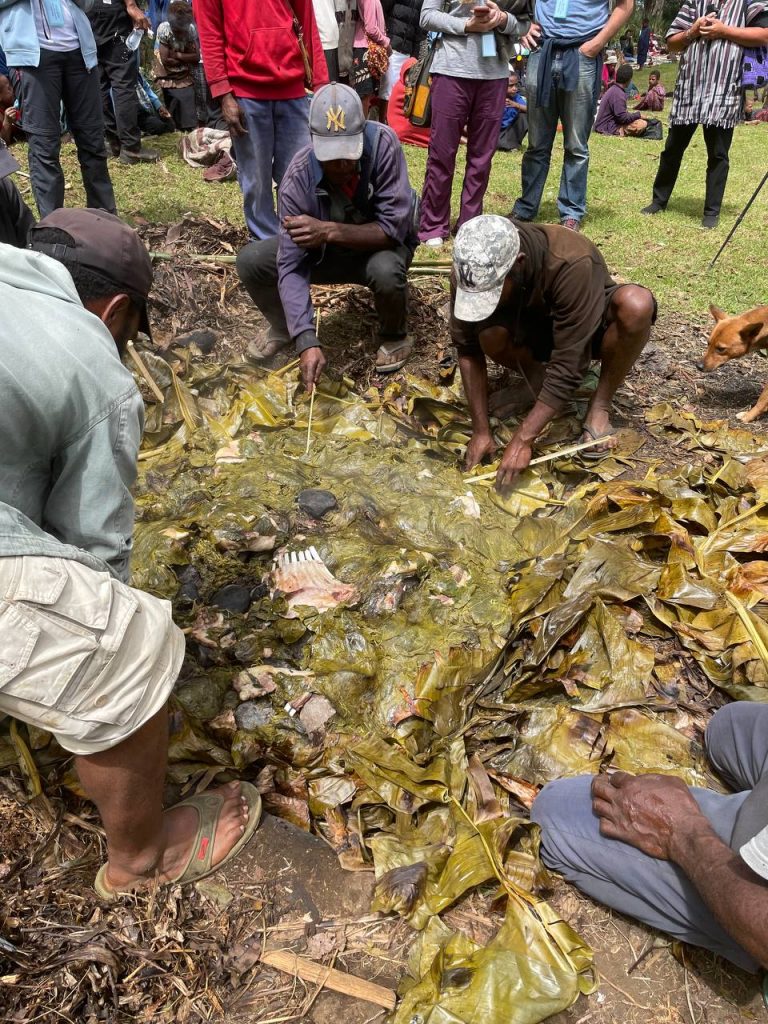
[483,254]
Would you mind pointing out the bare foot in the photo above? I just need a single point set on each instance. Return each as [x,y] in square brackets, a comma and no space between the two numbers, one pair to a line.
[180,824]
[596,425]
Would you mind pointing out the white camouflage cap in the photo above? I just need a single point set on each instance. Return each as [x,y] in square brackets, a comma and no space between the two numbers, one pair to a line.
[483,254]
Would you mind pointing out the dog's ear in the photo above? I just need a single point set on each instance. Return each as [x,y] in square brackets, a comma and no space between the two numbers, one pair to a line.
[717,313]
[752,332]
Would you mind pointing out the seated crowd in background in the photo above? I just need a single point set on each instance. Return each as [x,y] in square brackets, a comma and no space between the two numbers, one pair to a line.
[613,118]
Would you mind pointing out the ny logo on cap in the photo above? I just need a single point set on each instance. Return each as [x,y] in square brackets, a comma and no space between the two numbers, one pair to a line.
[335,120]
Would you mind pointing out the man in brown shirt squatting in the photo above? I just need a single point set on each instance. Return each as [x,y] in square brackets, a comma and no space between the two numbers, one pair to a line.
[539,300]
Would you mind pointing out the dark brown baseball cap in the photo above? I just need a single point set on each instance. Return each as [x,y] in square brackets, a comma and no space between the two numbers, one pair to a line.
[104,244]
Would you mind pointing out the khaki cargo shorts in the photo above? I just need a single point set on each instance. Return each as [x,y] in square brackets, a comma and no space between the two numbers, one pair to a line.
[82,655]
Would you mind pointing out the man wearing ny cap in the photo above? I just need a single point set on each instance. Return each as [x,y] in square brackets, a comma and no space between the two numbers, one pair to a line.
[347,216]
[539,300]
[83,655]
[15,216]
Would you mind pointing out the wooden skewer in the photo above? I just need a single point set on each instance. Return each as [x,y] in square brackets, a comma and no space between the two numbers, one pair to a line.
[141,367]
[309,423]
[546,458]
[329,977]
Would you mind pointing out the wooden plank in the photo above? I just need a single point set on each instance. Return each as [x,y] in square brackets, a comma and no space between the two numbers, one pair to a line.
[329,977]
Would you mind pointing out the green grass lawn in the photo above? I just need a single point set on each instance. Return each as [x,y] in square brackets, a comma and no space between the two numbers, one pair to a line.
[669,252]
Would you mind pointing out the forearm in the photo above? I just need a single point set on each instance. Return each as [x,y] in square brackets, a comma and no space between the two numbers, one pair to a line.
[619,16]
[193,57]
[678,42]
[435,19]
[733,892]
[474,377]
[360,237]
[749,37]
[533,424]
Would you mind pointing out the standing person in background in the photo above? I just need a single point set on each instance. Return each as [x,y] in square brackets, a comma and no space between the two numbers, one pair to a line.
[328,30]
[707,92]
[643,43]
[177,55]
[468,89]
[406,35]
[563,84]
[50,44]
[112,22]
[370,28]
[255,68]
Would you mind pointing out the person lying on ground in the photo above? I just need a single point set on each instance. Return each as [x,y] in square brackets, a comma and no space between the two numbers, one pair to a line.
[613,118]
[654,98]
[347,216]
[16,218]
[538,299]
[690,862]
[83,655]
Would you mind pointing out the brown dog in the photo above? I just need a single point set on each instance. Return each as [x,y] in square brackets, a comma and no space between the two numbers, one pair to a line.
[733,337]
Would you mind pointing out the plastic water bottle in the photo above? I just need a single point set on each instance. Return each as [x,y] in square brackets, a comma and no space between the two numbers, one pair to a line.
[133,41]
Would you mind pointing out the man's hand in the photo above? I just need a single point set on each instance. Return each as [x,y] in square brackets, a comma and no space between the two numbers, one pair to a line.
[516,458]
[591,49]
[307,232]
[137,16]
[312,362]
[645,811]
[532,40]
[11,115]
[479,446]
[712,28]
[233,114]
[164,112]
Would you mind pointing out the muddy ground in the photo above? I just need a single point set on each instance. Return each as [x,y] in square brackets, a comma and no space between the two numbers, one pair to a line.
[289,890]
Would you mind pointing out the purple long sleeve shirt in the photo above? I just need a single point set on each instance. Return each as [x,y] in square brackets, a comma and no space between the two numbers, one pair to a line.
[392,204]
[612,114]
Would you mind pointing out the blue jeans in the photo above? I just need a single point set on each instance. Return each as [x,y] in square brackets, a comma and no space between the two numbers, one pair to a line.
[277,130]
[577,112]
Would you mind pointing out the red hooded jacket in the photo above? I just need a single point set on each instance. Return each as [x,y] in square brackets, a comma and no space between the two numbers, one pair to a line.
[250,48]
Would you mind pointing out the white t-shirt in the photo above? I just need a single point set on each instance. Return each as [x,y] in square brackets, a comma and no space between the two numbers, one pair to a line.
[755,854]
[327,26]
[61,38]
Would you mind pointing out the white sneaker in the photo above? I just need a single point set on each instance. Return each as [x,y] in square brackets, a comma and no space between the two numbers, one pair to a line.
[434,243]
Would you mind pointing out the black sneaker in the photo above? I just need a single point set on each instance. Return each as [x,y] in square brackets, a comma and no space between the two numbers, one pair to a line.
[141,156]
[710,221]
[652,208]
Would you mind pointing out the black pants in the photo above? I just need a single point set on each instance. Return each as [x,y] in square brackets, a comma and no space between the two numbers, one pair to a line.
[511,138]
[332,60]
[63,77]
[181,104]
[384,272]
[718,142]
[119,73]
[153,124]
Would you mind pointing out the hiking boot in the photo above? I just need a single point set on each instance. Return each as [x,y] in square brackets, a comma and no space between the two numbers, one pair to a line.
[114,146]
[652,209]
[710,220]
[141,156]
[571,223]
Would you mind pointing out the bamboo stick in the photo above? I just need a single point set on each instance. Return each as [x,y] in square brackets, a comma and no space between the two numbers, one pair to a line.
[546,458]
[329,977]
[141,367]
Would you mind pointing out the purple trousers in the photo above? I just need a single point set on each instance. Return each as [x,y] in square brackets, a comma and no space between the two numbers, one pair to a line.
[459,103]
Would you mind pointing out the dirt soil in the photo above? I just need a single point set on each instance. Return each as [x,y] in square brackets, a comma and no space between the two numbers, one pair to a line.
[67,951]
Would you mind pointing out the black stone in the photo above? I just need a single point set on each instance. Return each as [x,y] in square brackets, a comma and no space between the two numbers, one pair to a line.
[190,581]
[232,598]
[204,338]
[316,503]
[259,591]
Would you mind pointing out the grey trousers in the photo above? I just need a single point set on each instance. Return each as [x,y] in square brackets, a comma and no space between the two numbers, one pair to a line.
[63,78]
[657,892]
[384,272]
